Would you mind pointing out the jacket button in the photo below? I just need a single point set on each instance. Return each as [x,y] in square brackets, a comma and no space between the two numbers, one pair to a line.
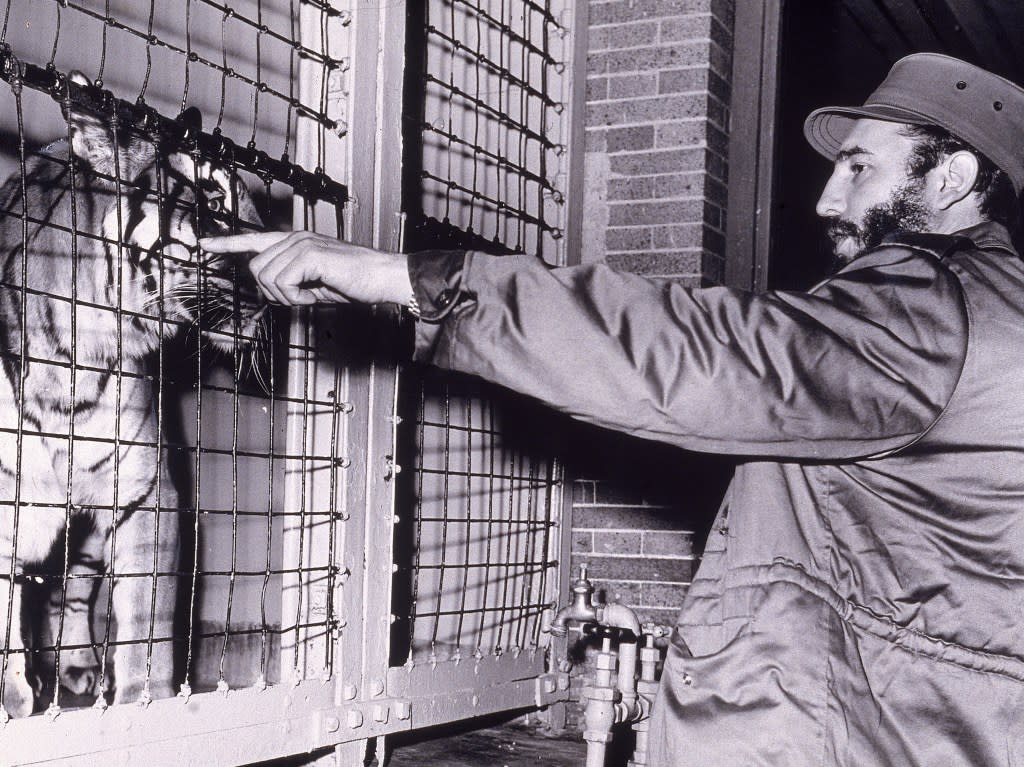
[445,297]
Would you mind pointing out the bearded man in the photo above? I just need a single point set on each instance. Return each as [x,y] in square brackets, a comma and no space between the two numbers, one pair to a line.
[860,600]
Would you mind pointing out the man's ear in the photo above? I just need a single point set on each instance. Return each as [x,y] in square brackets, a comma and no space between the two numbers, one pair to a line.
[957,173]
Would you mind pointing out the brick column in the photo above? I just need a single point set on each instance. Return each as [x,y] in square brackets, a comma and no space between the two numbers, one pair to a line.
[657,116]
[658,93]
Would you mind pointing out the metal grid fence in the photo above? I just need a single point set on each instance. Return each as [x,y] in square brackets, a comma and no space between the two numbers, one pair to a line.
[259,568]
[193,442]
[484,160]
[487,99]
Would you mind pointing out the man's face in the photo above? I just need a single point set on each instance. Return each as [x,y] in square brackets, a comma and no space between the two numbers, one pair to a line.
[870,193]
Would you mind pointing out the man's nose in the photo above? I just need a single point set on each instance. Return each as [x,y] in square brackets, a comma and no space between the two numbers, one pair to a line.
[832,202]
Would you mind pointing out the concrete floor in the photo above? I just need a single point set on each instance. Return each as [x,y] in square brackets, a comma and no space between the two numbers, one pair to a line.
[508,745]
[494,742]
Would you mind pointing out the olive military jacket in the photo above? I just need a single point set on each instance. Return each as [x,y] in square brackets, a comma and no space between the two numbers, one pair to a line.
[861,596]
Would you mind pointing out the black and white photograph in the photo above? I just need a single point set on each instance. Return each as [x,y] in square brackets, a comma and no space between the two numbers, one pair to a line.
[527,383]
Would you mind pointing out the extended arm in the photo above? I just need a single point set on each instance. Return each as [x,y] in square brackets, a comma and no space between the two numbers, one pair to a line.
[861,366]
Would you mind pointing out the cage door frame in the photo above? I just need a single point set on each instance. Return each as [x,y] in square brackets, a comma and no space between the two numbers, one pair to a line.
[364,395]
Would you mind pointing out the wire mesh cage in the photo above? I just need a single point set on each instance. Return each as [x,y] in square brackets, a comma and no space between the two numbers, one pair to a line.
[487,91]
[201,508]
[144,439]
[484,153]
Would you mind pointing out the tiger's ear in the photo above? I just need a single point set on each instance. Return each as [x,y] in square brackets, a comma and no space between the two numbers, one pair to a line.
[93,140]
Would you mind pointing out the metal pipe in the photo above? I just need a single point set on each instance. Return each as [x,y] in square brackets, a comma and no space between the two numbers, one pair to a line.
[626,681]
[647,688]
[619,616]
[600,711]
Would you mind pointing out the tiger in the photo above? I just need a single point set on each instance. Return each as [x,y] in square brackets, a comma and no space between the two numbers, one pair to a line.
[100,261]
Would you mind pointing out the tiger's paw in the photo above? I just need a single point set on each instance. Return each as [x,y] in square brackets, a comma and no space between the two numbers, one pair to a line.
[18,697]
[79,672]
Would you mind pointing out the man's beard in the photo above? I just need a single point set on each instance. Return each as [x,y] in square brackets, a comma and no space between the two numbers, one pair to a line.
[904,211]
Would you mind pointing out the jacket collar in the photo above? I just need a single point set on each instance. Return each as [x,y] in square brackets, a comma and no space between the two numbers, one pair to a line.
[989,235]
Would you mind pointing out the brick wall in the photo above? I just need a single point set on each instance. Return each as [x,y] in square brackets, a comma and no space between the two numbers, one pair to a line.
[657,114]
[658,78]
[639,553]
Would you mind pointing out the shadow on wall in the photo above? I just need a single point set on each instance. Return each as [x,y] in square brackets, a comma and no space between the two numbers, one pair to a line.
[683,488]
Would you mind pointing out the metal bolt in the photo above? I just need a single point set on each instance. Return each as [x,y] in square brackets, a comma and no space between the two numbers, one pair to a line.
[377,687]
[403,709]
[332,724]
[548,685]
[349,692]
[475,700]
[380,713]
[355,718]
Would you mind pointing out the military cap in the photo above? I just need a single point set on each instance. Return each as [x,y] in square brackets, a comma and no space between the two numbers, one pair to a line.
[978,107]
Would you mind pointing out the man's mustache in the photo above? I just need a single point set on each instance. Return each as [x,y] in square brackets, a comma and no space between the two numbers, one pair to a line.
[839,229]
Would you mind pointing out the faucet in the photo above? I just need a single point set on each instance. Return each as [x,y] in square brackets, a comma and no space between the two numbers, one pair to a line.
[616,695]
[582,609]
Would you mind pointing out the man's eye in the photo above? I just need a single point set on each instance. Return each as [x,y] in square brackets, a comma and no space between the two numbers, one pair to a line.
[215,204]
[857,168]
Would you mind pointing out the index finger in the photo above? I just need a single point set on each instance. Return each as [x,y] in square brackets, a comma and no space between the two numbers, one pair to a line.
[251,242]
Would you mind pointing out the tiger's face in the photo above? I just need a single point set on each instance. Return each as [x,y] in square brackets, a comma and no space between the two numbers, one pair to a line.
[171,281]
[99,251]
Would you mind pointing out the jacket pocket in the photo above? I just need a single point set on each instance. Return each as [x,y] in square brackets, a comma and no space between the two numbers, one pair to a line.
[701,641]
